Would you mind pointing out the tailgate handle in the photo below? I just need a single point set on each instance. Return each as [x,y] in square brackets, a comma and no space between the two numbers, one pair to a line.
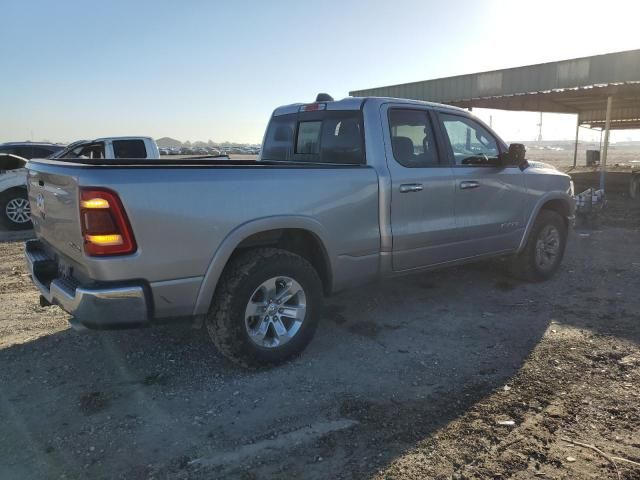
[410,187]
[469,184]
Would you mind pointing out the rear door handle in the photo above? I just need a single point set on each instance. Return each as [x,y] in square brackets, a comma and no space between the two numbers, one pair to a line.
[469,184]
[410,187]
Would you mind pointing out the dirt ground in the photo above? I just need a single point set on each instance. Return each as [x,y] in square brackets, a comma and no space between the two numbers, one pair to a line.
[456,374]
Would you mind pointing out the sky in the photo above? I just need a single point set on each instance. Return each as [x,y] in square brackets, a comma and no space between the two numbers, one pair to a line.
[200,70]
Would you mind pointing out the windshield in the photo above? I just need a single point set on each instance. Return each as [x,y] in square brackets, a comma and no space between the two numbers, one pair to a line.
[64,153]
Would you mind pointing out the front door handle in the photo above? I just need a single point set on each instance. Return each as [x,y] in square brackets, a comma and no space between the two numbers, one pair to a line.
[410,187]
[469,184]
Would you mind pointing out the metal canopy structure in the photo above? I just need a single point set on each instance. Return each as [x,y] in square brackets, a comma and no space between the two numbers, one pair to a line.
[602,90]
[579,86]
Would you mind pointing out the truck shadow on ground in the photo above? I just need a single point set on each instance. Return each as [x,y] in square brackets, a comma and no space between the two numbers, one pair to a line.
[400,359]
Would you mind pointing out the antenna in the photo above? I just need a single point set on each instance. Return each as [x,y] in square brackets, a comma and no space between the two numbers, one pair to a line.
[540,128]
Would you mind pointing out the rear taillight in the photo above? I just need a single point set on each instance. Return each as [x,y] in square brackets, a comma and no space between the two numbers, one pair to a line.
[105,227]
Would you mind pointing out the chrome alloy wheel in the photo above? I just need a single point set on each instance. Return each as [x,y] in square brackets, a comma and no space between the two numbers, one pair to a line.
[547,247]
[18,210]
[275,312]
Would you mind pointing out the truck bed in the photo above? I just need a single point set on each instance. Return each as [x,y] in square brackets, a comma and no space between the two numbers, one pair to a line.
[182,213]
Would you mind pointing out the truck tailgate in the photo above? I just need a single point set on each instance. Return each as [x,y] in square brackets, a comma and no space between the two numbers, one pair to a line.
[54,210]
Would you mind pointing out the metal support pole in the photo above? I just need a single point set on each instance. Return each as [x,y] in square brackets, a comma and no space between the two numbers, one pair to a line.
[600,147]
[575,148]
[605,147]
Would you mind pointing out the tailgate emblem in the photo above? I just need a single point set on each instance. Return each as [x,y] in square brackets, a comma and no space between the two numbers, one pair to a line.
[40,203]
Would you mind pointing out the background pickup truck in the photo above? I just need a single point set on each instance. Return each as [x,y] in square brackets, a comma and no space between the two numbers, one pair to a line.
[111,148]
[345,192]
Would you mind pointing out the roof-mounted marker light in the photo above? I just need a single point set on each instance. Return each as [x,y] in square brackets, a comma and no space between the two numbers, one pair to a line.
[313,107]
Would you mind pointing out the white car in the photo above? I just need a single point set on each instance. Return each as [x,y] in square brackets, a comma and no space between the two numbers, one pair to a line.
[14,206]
[15,213]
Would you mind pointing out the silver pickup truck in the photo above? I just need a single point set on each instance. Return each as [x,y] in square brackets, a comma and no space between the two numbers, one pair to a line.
[344,192]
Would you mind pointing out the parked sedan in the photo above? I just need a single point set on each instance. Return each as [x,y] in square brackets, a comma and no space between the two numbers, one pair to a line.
[15,212]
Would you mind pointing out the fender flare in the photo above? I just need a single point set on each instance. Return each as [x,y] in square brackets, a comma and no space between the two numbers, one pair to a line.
[226,248]
[536,210]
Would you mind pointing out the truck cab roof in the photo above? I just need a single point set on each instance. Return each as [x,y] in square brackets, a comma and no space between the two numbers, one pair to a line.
[355,103]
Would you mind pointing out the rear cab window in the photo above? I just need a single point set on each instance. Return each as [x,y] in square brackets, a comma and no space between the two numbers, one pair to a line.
[326,136]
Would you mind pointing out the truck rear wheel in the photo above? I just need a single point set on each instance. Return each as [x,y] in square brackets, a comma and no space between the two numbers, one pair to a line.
[265,307]
[543,252]
[15,212]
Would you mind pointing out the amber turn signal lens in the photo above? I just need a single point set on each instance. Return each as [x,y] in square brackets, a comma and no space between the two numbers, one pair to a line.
[105,240]
[94,203]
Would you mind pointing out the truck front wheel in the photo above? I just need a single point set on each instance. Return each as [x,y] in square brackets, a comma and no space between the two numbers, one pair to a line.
[543,252]
[265,309]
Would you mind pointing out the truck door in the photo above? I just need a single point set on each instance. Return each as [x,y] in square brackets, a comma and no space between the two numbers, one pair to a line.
[489,198]
[423,189]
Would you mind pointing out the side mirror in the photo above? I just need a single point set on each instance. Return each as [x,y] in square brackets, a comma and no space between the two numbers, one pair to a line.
[516,156]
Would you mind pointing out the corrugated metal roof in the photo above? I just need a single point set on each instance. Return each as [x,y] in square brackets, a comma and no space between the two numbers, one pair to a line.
[579,85]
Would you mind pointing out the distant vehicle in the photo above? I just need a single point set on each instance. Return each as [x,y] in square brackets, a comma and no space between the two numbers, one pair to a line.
[30,150]
[338,198]
[111,147]
[186,151]
[165,151]
[15,212]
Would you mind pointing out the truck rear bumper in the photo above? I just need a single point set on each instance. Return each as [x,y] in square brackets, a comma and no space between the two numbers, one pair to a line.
[105,307]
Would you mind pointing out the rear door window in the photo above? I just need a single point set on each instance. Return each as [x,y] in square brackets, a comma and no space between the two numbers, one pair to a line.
[412,138]
[129,149]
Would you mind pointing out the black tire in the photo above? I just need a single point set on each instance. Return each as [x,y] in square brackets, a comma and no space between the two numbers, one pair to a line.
[524,265]
[226,319]
[6,200]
